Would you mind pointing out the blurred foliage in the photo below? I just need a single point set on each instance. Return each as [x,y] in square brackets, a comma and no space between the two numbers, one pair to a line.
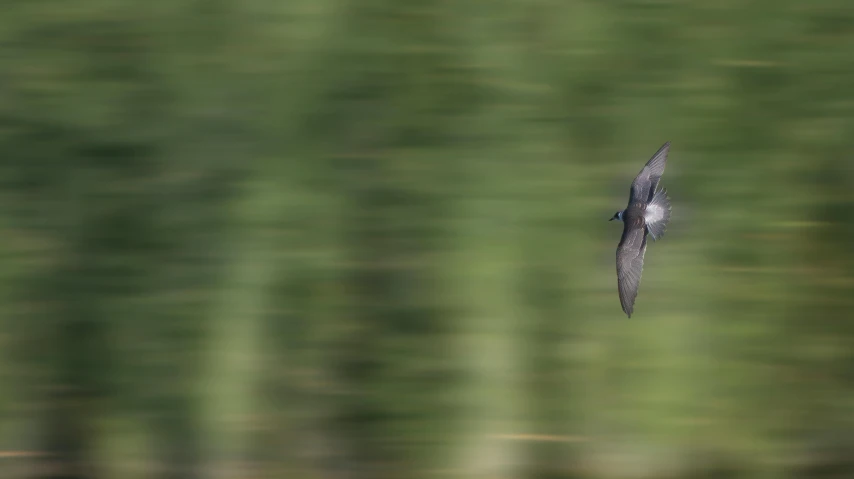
[324,238]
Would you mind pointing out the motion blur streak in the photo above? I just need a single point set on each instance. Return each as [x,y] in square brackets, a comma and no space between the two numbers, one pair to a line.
[366,239]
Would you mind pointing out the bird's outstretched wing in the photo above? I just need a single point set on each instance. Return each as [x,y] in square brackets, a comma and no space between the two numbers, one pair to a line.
[643,187]
[630,255]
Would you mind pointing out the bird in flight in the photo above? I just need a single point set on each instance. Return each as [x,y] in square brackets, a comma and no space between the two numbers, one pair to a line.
[648,213]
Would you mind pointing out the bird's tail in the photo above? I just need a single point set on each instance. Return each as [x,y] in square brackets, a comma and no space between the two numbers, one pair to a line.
[658,214]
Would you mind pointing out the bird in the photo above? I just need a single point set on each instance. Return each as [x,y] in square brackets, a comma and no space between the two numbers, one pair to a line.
[647,213]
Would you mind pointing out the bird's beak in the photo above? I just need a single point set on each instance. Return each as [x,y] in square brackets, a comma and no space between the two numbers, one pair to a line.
[612,219]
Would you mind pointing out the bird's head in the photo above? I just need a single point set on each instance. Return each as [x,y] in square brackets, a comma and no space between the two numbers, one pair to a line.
[617,216]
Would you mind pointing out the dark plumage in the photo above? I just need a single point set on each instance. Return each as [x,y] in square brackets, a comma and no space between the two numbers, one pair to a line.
[648,213]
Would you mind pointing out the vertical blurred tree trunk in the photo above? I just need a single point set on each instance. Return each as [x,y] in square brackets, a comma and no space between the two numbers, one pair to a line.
[490,345]
[228,390]
[383,274]
[369,279]
[102,225]
[545,344]
[80,349]
[482,285]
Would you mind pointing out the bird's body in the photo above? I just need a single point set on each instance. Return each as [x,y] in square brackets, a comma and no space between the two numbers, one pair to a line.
[647,213]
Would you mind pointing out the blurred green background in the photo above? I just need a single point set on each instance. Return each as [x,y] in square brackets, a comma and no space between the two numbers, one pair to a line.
[368,239]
